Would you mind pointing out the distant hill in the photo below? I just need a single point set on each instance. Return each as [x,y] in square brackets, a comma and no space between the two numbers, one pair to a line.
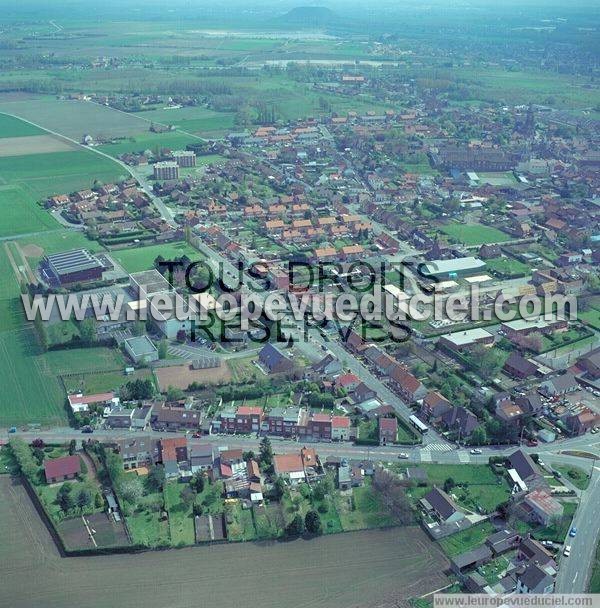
[309,16]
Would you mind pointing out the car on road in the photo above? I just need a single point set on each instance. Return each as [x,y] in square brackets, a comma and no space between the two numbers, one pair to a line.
[573,532]
[87,429]
[196,435]
[12,429]
[403,455]
[475,451]
[532,443]
[567,550]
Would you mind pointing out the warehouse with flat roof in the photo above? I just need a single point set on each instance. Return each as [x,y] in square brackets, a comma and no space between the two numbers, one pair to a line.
[455,267]
[74,266]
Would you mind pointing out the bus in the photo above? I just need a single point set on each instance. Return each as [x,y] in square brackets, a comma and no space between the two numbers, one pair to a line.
[422,428]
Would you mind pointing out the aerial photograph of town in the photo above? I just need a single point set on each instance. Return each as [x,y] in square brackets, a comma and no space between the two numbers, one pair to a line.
[299,303]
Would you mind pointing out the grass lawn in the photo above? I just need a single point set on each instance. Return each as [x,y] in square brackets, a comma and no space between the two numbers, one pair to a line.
[475,485]
[240,523]
[102,382]
[181,520]
[138,258]
[578,477]
[590,317]
[474,234]
[148,141]
[266,522]
[467,539]
[362,510]
[594,585]
[507,267]
[147,529]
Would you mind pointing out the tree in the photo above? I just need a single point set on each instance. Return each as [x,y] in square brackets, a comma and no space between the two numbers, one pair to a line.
[188,496]
[197,482]
[295,527]
[156,478]
[162,349]
[87,330]
[312,523]
[174,393]
[131,489]
[478,436]
[266,452]
[64,497]
[249,455]
[24,458]
[449,484]
[72,447]
[83,498]
[136,390]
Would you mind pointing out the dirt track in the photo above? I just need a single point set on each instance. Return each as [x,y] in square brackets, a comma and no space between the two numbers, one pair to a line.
[363,569]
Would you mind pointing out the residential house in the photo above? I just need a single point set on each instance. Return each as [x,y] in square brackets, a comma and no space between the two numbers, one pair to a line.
[388,430]
[518,367]
[583,421]
[201,457]
[533,578]
[409,388]
[274,361]
[173,454]
[438,502]
[461,421]
[434,406]
[175,418]
[137,451]
[61,469]
[541,507]
[559,385]
[289,466]
[340,428]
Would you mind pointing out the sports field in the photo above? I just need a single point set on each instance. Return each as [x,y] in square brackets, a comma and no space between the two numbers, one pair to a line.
[390,567]
[142,258]
[474,234]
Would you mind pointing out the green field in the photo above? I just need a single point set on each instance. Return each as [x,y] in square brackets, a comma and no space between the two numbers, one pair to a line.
[41,398]
[42,175]
[13,127]
[467,539]
[475,486]
[20,213]
[142,258]
[474,234]
[32,392]
[590,317]
[148,141]
[507,267]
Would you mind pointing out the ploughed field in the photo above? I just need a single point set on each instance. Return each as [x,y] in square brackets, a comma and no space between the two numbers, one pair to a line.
[374,568]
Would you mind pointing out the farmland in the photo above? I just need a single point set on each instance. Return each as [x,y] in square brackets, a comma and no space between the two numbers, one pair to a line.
[379,573]
[42,175]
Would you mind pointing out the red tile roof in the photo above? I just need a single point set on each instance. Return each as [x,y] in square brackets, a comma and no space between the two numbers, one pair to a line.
[61,467]
[340,422]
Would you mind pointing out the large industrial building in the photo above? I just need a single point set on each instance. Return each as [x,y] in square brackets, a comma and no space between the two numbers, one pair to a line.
[453,268]
[74,266]
[167,169]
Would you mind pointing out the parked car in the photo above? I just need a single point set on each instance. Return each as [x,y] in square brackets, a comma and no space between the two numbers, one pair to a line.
[403,455]
[475,451]
[12,429]
[87,429]
[567,550]
[573,532]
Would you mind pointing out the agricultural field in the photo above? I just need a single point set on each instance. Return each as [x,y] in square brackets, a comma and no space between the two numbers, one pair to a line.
[386,572]
[474,234]
[76,118]
[20,213]
[148,141]
[42,175]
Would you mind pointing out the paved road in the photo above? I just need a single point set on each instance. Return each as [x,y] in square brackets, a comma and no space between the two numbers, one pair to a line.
[575,571]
